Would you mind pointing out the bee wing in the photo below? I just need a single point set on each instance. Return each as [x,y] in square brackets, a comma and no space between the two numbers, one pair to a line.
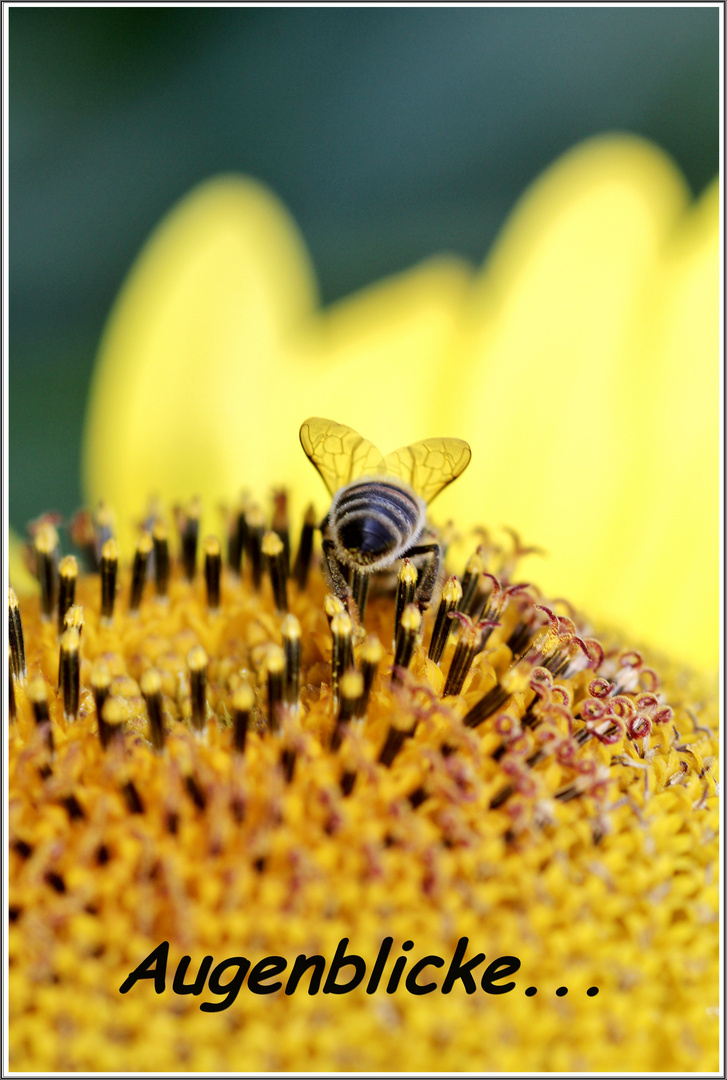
[428,466]
[338,452]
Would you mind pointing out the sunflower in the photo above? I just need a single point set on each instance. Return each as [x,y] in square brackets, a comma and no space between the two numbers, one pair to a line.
[258,826]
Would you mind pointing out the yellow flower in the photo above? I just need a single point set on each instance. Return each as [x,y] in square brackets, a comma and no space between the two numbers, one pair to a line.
[231,852]
[228,852]
[581,364]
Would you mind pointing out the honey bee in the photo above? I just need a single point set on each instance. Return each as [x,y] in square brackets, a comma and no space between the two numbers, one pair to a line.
[379,507]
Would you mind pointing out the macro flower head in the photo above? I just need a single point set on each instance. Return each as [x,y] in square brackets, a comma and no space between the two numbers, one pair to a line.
[268,818]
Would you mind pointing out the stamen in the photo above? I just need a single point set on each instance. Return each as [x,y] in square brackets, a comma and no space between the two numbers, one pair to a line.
[470,581]
[188,523]
[371,655]
[73,619]
[197,662]
[38,695]
[305,549]
[464,653]
[348,779]
[17,643]
[333,606]
[401,728]
[12,707]
[109,573]
[255,524]
[351,692]
[405,591]
[450,600]
[242,703]
[113,716]
[151,691]
[288,758]
[274,552]
[70,672]
[237,540]
[341,660]
[138,572]
[406,639]
[83,535]
[276,683]
[46,552]
[67,577]
[360,590]
[493,701]
[103,527]
[39,700]
[160,538]
[280,525]
[292,650]
[100,687]
[483,599]
[212,571]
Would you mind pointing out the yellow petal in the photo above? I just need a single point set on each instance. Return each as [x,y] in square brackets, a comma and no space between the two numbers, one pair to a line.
[214,355]
[19,576]
[562,410]
[182,369]
[371,361]
[676,477]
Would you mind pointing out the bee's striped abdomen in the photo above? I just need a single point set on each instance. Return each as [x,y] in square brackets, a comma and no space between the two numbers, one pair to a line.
[373,519]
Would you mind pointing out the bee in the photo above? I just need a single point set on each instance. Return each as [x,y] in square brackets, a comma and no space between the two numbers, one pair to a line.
[379,507]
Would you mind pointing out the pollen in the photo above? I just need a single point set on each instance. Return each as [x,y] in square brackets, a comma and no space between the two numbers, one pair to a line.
[230,760]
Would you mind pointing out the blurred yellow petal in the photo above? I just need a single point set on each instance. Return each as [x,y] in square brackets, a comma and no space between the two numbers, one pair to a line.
[182,369]
[565,412]
[371,361]
[213,356]
[674,404]
[19,576]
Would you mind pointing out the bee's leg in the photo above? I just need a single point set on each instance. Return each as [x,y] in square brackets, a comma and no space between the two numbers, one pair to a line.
[337,580]
[341,587]
[360,588]
[428,580]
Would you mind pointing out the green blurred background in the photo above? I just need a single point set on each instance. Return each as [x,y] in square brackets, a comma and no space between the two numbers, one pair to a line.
[390,134]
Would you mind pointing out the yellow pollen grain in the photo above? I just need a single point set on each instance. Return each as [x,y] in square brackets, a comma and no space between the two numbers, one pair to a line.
[68,566]
[38,690]
[70,640]
[408,573]
[275,659]
[352,685]
[145,543]
[341,625]
[46,539]
[151,683]
[114,713]
[411,618]
[452,591]
[197,659]
[272,545]
[333,606]
[110,551]
[244,698]
[290,628]
[372,650]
